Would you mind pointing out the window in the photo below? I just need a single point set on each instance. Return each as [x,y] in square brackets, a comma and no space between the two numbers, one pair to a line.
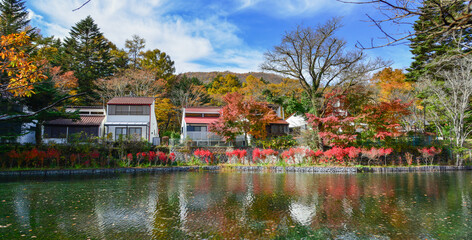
[122,109]
[55,131]
[128,109]
[196,128]
[135,132]
[120,131]
[136,110]
[193,115]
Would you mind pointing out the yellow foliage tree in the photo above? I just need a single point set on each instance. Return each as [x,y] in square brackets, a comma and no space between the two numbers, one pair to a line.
[391,84]
[221,85]
[18,71]
[254,87]
[288,87]
[166,113]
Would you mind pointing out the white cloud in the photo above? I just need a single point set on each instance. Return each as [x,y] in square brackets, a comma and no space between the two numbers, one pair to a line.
[187,39]
[295,8]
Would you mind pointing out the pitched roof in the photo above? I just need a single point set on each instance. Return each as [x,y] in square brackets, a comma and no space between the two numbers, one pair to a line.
[279,121]
[202,109]
[83,121]
[131,101]
[203,120]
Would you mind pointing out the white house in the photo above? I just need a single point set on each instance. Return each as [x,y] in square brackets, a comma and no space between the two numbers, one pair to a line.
[195,122]
[296,123]
[91,123]
[132,117]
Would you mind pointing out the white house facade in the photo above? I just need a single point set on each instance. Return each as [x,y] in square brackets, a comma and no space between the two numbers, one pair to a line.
[132,117]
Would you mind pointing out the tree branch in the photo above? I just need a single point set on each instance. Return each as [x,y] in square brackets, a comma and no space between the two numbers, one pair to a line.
[6,117]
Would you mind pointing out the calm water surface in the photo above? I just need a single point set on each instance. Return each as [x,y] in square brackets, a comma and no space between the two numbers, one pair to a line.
[239,205]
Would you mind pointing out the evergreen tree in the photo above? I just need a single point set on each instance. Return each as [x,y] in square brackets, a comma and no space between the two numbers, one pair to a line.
[158,62]
[134,47]
[427,46]
[88,55]
[14,17]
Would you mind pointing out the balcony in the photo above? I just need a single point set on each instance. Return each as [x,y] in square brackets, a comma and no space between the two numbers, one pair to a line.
[203,136]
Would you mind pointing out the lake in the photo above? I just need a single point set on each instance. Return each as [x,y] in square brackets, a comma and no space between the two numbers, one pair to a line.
[226,205]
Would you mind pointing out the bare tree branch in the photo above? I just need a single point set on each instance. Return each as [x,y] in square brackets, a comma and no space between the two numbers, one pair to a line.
[450,16]
[85,3]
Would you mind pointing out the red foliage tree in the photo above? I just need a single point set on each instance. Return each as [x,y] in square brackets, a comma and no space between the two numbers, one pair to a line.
[241,116]
[383,119]
[336,127]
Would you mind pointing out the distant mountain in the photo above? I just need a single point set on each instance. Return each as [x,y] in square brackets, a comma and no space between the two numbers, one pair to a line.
[206,77]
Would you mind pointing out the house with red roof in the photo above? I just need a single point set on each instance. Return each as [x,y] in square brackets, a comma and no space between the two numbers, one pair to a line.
[196,120]
[132,117]
[90,124]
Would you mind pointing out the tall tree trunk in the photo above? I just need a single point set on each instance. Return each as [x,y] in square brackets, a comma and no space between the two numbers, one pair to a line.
[38,133]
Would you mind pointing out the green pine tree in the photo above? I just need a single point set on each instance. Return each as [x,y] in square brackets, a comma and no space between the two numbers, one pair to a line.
[429,44]
[87,53]
[14,17]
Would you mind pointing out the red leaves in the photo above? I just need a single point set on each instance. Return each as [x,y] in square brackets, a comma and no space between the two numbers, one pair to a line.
[241,116]
[297,155]
[237,154]
[383,119]
[204,155]
[430,152]
[264,155]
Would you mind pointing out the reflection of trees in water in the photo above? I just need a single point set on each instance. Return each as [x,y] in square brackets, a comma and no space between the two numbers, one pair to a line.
[244,205]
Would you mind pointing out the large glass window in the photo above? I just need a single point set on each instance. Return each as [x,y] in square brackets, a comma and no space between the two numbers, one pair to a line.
[196,128]
[128,109]
[135,132]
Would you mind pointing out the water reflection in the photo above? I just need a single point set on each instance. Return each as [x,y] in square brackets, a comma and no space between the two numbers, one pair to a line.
[239,205]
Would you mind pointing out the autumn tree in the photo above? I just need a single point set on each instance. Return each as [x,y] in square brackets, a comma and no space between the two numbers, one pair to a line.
[166,115]
[134,46]
[392,84]
[254,87]
[319,60]
[19,73]
[88,55]
[289,95]
[131,82]
[242,117]
[383,120]
[222,85]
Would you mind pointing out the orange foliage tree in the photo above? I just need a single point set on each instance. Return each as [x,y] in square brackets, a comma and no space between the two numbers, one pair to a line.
[391,84]
[18,71]
[241,116]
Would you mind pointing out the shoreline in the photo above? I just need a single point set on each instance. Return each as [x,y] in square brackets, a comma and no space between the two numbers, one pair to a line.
[273,169]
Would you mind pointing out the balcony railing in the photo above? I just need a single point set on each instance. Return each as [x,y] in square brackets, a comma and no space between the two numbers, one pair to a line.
[198,136]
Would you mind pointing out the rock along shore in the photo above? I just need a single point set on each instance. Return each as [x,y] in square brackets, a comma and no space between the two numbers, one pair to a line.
[275,169]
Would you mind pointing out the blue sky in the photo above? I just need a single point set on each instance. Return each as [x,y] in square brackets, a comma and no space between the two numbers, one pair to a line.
[211,35]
